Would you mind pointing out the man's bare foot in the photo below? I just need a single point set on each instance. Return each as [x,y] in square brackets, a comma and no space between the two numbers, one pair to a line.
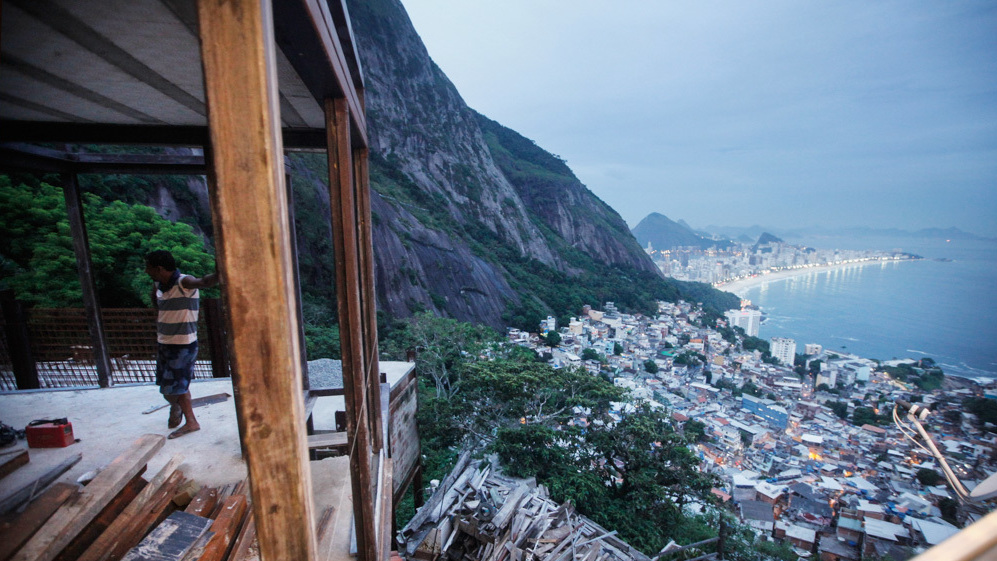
[186,429]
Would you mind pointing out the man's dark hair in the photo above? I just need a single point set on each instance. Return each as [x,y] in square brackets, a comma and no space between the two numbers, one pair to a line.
[161,258]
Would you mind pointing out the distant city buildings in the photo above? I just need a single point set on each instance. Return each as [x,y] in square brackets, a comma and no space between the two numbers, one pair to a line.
[783,349]
[776,415]
[749,320]
[793,466]
[746,260]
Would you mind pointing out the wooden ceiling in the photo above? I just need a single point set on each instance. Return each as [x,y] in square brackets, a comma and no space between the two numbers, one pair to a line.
[130,71]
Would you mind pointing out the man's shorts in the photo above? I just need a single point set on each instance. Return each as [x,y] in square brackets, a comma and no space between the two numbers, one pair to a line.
[175,367]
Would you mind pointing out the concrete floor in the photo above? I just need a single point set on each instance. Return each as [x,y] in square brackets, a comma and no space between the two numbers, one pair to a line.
[107,421]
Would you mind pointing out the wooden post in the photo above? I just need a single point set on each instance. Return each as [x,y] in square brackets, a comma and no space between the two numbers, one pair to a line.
[217,343]
[84,266]
[297,282]
[249,208]
[368,297]
[15,327]
[344,239]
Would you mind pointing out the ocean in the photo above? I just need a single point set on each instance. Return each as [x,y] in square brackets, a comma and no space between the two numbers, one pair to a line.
[943,307]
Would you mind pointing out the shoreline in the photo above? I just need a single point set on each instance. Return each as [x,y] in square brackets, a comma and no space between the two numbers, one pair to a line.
[740,286]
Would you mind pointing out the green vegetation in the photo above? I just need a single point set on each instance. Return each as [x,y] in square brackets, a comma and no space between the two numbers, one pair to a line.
[925,376]
[36,247]
[633,476]
[840,408]
[928,476]
[589,353]
[650,367]
[985,411]
[542,179]
[695,431]
[867,416]
[553,338]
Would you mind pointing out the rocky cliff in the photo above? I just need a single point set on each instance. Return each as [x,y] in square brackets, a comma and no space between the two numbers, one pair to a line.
[463,205]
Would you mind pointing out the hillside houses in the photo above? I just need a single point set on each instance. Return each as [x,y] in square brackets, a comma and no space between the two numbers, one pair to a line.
[793,470]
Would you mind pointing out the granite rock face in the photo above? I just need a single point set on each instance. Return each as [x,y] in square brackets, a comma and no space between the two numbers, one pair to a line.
[448,181]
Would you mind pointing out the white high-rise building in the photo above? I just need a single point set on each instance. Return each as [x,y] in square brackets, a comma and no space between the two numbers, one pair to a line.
[748,320]
[783,349]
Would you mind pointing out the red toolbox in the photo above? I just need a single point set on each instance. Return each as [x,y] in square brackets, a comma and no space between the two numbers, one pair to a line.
[49,434]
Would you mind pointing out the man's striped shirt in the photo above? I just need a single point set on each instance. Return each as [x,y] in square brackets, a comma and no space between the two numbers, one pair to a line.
[178,306]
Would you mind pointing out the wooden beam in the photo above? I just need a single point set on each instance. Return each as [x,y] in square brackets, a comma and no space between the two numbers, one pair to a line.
[253,236]
[139,517]
[15,532]
[368,299]
[158,135]
[344,239]
[173,540]
[328,76]
[84,266]
[69,520]
[335,440]
[8,465]
[303,356]
[226,529]
[99,524]
[23,494]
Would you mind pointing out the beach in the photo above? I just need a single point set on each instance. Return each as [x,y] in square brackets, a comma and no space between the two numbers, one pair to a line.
[740,286]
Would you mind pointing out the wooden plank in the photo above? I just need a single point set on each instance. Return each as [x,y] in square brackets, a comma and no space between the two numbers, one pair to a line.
[172,540]
[344,236]
[204,502]
[387,518]
[12,463]
[69,520]
[246,546]
[249,209]
[35,487]
[434,504]
[99,524]
[319,58]
[224,492]
[196,402]
[118,531]
[16,531]
[327,440]
[225,529]
[326,531]
[368,303]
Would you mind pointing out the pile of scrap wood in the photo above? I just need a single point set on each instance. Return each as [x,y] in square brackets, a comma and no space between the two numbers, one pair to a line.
[476,514]
[118,514]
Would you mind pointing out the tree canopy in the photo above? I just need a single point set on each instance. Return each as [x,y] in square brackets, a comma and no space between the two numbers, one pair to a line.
[630,471]
[36,246]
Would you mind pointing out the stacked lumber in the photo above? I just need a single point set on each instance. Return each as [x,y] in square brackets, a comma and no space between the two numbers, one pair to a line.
[476,514]
[119,515]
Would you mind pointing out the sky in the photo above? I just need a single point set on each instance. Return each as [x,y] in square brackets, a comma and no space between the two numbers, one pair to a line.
[778,113]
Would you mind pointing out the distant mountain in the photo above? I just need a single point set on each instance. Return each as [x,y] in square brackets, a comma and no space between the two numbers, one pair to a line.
[753,232]
[768,238]
[664,233]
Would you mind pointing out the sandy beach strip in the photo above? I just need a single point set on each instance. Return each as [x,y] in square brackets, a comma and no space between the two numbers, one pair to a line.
[741,286]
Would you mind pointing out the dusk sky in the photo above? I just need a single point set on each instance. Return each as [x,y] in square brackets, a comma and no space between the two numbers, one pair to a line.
[778,113]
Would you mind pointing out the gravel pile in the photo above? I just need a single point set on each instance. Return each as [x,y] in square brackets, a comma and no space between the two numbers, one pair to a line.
[325,373]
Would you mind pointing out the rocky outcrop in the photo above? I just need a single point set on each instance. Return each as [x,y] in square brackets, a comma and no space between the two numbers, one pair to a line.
[448,192]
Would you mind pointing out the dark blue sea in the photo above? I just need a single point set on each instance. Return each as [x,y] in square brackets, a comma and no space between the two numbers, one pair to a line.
[943,307]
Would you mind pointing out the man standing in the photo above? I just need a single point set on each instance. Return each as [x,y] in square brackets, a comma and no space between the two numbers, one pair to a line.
[177,298]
